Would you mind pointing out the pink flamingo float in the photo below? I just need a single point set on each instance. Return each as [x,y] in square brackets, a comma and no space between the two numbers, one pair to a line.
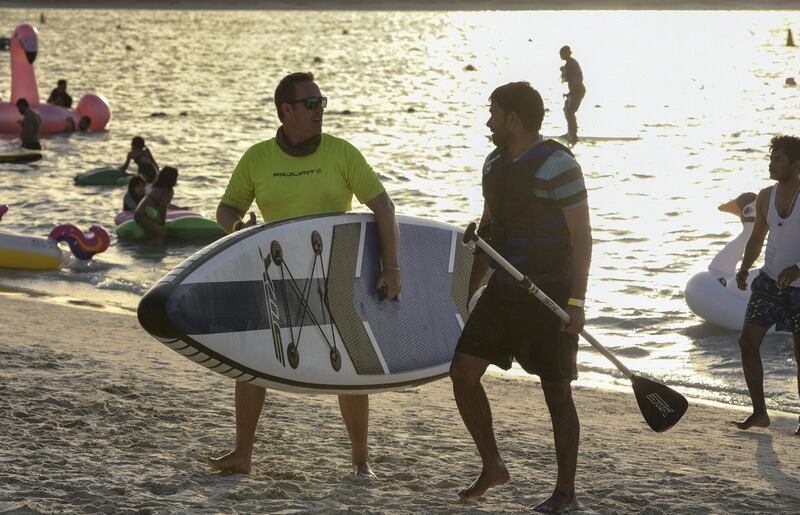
[55,119]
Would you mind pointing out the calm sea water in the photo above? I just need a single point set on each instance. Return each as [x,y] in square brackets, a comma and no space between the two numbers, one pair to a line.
[702,93]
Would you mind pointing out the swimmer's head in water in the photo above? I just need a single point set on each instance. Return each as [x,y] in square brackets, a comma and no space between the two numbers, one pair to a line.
[167,178]
[137,143]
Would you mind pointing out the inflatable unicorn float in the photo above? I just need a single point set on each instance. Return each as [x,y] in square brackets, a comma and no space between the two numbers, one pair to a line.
[92,112]
[34,253]
[712,294]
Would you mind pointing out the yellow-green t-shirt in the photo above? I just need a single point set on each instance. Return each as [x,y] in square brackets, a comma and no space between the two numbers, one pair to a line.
[284,186]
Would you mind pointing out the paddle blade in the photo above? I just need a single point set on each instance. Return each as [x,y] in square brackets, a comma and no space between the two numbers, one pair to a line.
[661,406]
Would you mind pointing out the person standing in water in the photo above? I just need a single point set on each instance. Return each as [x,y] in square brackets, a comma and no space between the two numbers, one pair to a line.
[572,74]
[144,160]
[31,125]
[536,215]
[303,171]
[775,296]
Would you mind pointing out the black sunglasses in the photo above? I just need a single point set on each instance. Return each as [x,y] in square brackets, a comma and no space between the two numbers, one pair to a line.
[311,102]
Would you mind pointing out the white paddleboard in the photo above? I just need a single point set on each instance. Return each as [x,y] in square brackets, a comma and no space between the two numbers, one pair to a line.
[262,306]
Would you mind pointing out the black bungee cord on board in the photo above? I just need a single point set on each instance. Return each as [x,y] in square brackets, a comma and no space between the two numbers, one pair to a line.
[276,253]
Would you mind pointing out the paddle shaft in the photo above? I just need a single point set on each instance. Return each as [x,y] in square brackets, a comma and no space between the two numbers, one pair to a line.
[534,290]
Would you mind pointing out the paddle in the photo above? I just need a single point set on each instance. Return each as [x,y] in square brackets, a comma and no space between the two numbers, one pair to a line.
[661,406]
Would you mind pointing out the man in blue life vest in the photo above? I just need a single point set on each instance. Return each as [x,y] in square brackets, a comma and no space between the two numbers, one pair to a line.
[775,297]
[537,216]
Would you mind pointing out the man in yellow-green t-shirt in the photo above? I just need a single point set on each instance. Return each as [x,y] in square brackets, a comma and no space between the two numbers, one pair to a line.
[302,171]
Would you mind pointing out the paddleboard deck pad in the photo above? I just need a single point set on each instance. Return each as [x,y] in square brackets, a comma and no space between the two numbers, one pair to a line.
[292,305]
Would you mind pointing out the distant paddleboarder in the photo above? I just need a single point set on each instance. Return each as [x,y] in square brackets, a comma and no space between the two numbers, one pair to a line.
[775,297]
[303,171]
[535,215]
[572,74]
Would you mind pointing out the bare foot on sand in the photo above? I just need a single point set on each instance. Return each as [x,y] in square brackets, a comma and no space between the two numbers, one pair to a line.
[754,420]
[558,503]
[364,471]
[490,477]
[231,463]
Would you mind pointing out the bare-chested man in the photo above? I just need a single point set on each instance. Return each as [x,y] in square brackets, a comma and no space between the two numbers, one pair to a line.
[31,126]
[775,297]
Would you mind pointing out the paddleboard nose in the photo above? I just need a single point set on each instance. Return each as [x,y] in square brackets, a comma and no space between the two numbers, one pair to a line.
[152,313]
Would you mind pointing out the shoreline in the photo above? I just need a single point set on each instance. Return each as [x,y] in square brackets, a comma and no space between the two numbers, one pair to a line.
[517,375]
[417,5]
[98,416]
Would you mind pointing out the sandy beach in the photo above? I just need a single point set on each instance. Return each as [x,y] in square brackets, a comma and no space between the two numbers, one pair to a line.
[96,416]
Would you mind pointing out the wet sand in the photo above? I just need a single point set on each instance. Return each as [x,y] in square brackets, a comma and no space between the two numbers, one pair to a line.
[96,416]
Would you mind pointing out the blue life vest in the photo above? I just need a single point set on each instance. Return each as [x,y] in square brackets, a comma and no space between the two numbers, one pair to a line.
[528,231]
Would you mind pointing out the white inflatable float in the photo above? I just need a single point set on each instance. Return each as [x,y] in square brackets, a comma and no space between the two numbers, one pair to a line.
[712,294]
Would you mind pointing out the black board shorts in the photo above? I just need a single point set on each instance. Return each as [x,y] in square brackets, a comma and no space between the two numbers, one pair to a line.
[508,323]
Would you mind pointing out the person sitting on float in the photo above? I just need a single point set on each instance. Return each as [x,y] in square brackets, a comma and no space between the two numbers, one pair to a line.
[151,213]
[144,159]
[59,96]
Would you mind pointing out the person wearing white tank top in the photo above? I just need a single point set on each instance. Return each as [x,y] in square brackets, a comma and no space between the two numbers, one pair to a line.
[775,296]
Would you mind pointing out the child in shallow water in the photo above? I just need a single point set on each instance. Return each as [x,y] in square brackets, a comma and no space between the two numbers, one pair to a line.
[135,194]
[143,158]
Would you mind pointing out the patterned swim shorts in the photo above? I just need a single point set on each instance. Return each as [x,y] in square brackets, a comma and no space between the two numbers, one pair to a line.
[770,305]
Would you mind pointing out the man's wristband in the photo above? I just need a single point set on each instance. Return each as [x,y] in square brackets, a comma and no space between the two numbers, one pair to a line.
[578,303]
[391,269]
[238,224]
